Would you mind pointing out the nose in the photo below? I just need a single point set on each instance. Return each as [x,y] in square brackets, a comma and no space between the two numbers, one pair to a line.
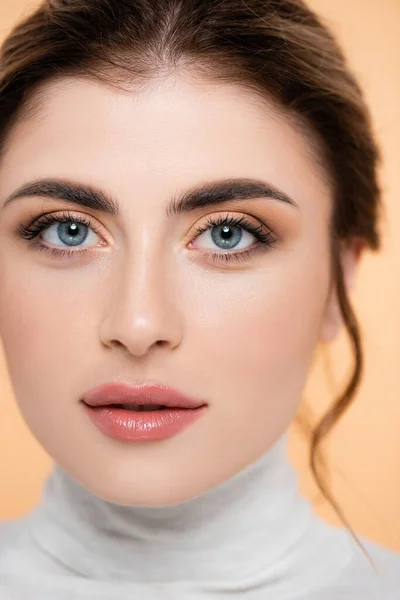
[143,311]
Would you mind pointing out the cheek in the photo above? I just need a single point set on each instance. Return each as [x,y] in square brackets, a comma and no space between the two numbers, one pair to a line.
[43,325]
[260,334]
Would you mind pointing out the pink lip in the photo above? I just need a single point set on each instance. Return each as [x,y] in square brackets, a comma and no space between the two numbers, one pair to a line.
[129,425]
[120,393]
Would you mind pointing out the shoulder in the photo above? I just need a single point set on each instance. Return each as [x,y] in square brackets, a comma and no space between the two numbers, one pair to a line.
[374,575]
[330,565]
[12,541]
[386,564]
[387,561]
[10,531]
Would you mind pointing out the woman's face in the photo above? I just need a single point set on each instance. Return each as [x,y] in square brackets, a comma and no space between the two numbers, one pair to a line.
[145,298]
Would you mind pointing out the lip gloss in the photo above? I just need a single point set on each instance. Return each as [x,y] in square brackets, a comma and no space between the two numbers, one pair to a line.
[131,425]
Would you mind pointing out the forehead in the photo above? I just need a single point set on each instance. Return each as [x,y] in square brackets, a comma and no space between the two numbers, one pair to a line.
[173,132]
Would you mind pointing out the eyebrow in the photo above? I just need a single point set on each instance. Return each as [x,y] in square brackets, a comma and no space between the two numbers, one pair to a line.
[203,195]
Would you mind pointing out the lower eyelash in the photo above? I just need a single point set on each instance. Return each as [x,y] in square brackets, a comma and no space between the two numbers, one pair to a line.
[57,252]
[228,257]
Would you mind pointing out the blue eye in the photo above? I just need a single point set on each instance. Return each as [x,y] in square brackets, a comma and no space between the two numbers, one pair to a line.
[229,232]
[226,237]
[63,231]
[71,233]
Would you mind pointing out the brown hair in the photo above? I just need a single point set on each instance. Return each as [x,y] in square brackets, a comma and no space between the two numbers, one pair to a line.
[278,49]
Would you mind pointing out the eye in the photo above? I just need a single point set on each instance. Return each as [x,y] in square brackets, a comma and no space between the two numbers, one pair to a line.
[70,233]
[66,233]
[232,233]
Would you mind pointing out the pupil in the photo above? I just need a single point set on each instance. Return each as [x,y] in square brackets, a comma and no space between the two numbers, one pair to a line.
[226,231]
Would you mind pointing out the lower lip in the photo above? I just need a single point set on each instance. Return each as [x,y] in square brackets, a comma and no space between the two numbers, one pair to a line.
[129,425]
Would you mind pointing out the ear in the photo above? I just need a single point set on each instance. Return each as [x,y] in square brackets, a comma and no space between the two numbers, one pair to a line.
[332,320]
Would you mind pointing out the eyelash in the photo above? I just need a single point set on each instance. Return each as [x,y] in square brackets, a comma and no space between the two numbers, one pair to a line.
[265,238]
[43,221]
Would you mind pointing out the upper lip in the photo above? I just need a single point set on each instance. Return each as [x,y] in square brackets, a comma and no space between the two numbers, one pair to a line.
[121,393]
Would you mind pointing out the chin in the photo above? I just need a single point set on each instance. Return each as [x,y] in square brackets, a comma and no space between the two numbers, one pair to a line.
[132,488]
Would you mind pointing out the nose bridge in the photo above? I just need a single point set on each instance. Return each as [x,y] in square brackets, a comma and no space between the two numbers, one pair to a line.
[143,309]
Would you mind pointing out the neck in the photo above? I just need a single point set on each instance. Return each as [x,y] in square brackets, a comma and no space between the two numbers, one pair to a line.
[248,522]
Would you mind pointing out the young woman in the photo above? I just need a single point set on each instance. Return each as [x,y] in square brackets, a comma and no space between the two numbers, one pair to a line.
[186,189]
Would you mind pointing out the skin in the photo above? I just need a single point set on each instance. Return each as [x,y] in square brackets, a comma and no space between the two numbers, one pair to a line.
[241,336]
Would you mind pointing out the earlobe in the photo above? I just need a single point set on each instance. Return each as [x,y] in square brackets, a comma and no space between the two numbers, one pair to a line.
[332,320]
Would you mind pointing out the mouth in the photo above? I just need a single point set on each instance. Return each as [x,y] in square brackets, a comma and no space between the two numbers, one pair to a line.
[143,420]
[142,398]
[143,407]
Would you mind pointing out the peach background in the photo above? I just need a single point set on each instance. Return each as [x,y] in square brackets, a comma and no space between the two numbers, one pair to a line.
[364,451]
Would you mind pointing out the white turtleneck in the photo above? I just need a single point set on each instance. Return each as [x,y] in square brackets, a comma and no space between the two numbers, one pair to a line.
[252,537]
